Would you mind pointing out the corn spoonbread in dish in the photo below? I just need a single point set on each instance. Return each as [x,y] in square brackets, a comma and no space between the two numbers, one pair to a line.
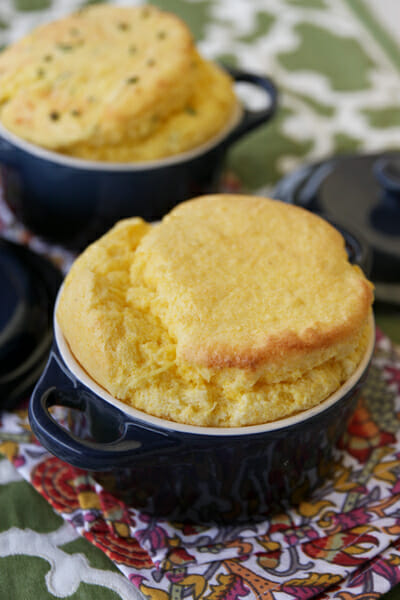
[232,311]
[113,83]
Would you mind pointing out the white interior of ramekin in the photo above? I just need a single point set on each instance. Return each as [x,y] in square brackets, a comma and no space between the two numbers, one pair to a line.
[76,369]
[81,163]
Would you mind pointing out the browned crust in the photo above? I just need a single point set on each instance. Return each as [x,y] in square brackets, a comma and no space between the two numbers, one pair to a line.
[284,347]
[288,345]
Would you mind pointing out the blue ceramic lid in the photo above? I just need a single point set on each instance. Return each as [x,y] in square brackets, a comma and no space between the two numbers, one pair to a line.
[28,285]
[362,193]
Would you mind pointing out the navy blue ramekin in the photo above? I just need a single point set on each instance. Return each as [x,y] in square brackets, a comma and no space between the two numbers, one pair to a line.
[73,201]
[181,472]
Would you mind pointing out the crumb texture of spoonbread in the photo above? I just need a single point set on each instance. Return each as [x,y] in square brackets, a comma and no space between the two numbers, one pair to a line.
[208,112]
[100,83]
[233,311]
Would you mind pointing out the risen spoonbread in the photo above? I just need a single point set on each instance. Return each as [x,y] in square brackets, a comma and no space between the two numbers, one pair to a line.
[100,83]
[232,311]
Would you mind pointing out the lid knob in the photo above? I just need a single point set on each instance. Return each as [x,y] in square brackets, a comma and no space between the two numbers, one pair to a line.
[387,173]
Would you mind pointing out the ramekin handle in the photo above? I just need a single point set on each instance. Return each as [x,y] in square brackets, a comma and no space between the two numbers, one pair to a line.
[122,443]
[251,119]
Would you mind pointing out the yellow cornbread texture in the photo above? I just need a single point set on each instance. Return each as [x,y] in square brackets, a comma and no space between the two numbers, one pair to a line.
[234,310]
[102,82]
[206,113]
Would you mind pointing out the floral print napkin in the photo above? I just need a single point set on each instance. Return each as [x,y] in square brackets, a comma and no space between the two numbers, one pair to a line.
[343,542]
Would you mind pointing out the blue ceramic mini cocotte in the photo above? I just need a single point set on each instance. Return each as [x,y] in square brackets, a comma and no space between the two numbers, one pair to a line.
[74,201]
[182,472]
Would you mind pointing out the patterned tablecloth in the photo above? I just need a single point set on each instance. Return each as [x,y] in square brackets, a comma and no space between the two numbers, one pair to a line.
[338,73]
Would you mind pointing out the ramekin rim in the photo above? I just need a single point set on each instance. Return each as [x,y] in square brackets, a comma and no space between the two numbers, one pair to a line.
[149,420]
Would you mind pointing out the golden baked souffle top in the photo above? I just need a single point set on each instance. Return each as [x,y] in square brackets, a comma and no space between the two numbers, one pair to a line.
[115,84]
[234,310]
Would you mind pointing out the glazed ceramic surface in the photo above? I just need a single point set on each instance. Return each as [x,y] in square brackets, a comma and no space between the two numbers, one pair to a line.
[29,285]
[180,471]
[361,192]
[73,201]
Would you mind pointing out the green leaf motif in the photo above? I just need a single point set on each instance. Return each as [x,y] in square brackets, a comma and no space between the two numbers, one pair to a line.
[308,3]
[96,558]
[264,22]
[340,59]
[324,110]
[230,60]
[91,2]
[346,144]
[24,577]
[31,5]
[14,500]
[255,158]
[383,118]
[195,14]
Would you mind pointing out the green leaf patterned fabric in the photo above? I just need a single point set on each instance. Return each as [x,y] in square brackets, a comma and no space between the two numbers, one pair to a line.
[338,73]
